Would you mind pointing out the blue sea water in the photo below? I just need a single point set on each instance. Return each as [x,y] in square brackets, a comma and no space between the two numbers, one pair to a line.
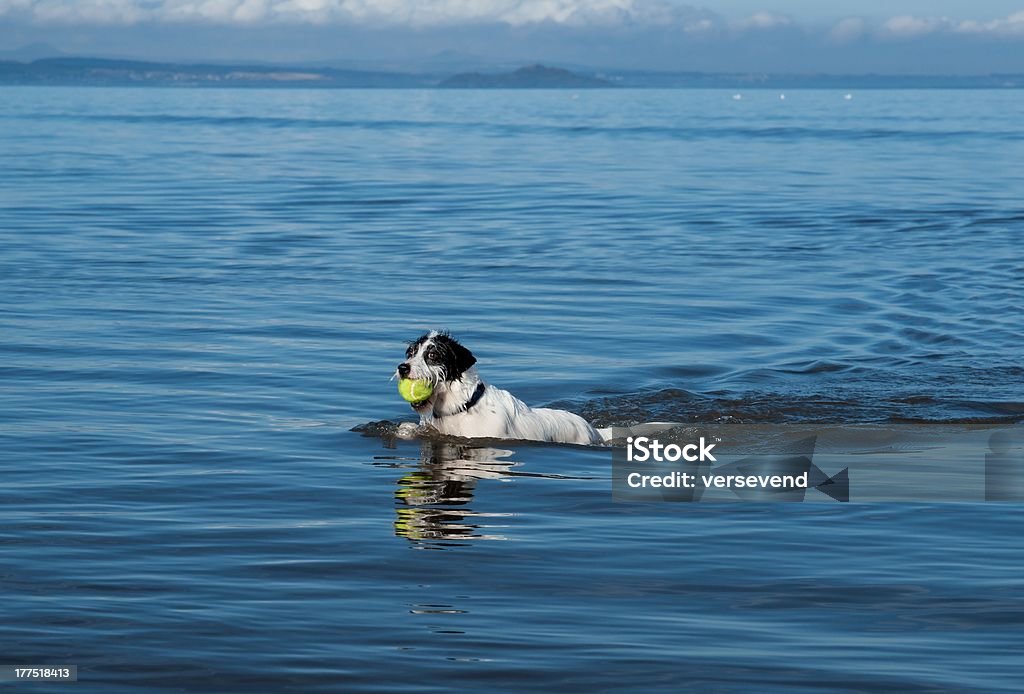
[202,292]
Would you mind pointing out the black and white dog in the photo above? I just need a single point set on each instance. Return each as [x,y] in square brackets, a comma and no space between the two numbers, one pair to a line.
[463,405]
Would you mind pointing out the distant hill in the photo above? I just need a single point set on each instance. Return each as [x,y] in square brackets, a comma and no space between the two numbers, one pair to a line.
[532,77]
[106,72]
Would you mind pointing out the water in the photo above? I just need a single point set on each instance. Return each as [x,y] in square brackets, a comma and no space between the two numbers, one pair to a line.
[202,292]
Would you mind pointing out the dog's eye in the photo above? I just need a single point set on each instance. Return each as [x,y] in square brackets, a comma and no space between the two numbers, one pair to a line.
[432,355]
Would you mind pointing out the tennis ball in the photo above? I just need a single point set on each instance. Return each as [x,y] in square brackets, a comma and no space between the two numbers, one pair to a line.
[415,390]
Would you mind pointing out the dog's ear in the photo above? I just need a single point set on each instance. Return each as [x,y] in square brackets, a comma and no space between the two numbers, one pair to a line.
[463,359]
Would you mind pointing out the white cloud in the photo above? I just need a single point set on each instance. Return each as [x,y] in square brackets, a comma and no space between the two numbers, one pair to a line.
[908,26]
[765,20]
[89,11]
[406,12]
[11,6]
[251,11]
[668,14]
[1010,26]
[577,12]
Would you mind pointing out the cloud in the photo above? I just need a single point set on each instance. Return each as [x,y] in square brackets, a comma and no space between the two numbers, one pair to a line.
[401,12]
[87,11]
[908,26]
[1010,26]
[765,20]
[675,19]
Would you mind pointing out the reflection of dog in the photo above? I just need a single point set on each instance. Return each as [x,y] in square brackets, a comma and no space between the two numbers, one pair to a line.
[434,500]
[463,405]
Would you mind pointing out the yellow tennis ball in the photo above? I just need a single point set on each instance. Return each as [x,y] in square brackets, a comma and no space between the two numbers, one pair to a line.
[415,390]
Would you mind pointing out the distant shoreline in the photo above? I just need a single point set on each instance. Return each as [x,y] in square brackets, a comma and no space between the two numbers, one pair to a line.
[72,71]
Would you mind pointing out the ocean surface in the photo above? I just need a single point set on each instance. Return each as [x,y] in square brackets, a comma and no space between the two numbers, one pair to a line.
[203,292]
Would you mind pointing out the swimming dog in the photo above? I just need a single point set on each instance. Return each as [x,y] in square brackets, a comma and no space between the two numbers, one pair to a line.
[462,404]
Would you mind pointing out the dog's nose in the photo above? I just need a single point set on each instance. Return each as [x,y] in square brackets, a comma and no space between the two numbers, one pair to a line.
[403,370]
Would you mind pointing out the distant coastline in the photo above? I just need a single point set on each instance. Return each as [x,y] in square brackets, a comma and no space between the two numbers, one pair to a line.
[531,77]
[76,71]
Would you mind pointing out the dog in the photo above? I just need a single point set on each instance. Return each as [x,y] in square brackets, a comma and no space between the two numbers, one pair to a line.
[462,404]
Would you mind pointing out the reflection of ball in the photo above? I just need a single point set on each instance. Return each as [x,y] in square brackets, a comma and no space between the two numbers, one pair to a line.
[415,390]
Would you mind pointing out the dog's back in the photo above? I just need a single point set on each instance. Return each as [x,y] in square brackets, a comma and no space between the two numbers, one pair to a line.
[501,415]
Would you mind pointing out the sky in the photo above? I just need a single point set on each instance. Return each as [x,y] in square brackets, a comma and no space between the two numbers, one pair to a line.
[804,36]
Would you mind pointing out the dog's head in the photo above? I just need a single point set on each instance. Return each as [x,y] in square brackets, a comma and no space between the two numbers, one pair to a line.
[438,358]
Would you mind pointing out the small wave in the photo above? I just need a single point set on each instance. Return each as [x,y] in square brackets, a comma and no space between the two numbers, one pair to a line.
[779,408]
[777,133]
[816,366]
